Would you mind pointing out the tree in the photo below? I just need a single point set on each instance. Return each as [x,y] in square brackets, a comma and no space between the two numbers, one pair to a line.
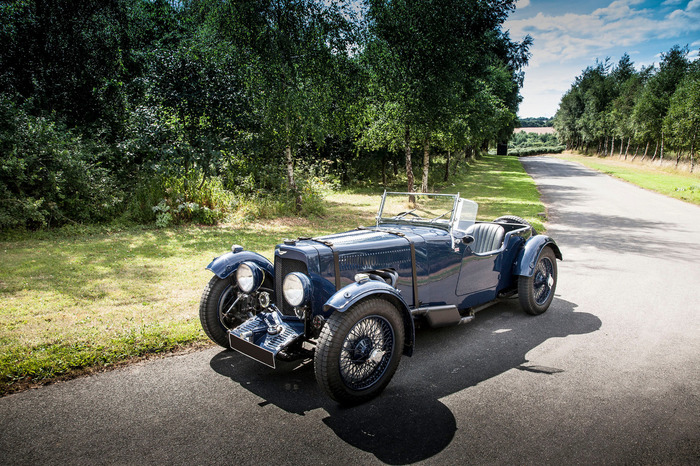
[72,58]
[428,61]
[653,103]
[297,46]
[683,118]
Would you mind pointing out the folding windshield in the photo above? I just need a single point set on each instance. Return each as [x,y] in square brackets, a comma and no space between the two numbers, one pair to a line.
[418,208]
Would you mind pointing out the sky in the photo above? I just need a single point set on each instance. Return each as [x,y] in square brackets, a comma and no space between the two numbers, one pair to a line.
[570,36]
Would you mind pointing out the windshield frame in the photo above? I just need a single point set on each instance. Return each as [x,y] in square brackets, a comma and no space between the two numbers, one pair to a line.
[418,222]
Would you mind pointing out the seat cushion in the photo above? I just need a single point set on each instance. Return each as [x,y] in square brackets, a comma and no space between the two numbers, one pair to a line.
[487,237]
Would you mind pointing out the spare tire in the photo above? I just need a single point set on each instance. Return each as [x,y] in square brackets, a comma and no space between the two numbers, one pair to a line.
[514,219]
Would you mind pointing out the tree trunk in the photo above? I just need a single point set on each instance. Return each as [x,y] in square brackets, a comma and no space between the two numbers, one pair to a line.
[612,146]
[447,167]
[384,170]
[661,157]
[692,152]
[646,149]
[679,154]
[426,164]
[636,150]
[468,152]
[622,143]
[629,139]
[656,150]
[409,165]
[290,176]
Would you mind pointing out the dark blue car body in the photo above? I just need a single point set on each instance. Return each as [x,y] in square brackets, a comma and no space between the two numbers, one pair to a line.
[403,269]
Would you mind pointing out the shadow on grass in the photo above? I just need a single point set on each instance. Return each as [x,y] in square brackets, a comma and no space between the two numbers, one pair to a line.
[408,422]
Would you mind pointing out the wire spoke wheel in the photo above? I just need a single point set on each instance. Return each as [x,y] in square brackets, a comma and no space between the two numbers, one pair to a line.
[218,309]
[359,351]
[543,281]
[366,352]
[229,310]
[537,291]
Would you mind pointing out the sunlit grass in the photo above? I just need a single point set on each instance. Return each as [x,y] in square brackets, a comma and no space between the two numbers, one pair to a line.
[665,180]
[86,297]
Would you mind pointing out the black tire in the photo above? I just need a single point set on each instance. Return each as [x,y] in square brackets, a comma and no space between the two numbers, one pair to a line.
[217,298]
[359,351]
[514,219]
[537,292]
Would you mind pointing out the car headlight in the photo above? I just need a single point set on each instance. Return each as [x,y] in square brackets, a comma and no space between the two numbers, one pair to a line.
[296,288]
[249,276]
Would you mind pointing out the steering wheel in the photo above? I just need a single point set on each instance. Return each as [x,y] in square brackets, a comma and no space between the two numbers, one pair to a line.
[401,215]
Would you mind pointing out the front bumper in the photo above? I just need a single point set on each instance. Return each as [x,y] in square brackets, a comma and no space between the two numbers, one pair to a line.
[264,335]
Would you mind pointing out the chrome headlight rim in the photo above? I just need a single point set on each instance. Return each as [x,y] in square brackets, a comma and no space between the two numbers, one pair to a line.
[296,289]
[249,277]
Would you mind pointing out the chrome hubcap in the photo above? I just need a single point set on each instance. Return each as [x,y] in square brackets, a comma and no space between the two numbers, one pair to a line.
[366,352]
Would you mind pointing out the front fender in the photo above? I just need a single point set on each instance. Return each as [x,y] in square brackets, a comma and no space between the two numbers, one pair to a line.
[527,257]
[225,265]
[353,293]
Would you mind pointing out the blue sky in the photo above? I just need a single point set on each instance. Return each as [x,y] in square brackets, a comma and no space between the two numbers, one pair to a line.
[569,36]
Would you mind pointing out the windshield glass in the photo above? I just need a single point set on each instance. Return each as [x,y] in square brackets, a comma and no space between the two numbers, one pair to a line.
[417,208]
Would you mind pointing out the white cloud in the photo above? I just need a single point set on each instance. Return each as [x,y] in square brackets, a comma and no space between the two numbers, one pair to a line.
[523,3]
[672,2]
[569,36]
[565,44]
[543,90]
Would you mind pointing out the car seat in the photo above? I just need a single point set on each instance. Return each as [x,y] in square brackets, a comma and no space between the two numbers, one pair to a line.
[487,237]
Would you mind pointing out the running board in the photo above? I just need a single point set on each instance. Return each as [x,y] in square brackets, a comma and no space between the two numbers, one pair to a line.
[443,316]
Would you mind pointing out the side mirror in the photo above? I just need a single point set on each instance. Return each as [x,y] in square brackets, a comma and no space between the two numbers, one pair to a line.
[468,239]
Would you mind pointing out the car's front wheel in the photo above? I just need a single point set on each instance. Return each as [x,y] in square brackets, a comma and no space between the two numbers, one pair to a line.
[219,309]
[359,351]
[537,291]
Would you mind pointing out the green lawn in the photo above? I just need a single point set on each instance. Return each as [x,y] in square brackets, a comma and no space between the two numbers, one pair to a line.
[80,299]
[674,183]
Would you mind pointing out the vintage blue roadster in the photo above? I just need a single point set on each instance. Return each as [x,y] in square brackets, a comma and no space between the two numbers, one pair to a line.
[351,300]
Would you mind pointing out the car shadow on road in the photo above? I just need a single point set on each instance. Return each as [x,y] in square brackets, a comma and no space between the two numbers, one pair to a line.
[408,422]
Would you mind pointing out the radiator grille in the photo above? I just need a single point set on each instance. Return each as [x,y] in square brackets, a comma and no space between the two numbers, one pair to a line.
[283,266]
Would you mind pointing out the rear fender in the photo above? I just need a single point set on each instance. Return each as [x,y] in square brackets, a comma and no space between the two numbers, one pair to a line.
[224,266]
[530,253]
[353,293]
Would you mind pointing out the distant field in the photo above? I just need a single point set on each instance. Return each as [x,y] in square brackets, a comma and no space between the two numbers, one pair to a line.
[541,130]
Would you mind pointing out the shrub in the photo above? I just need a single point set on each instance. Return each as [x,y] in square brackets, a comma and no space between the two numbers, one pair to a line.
[48,175]
[178,200]
[523,152]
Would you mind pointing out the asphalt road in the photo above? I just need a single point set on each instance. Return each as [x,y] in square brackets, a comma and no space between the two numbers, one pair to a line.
[610,374]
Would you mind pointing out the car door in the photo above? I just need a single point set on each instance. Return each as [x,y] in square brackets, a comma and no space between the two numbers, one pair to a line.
[478,276]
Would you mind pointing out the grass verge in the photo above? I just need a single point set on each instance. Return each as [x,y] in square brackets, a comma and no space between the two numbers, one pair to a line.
[665,180]
[80,299]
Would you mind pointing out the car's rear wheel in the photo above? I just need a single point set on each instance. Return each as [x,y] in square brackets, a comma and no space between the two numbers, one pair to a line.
[514,219]
[537,291]
[359,351]
[219,310]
